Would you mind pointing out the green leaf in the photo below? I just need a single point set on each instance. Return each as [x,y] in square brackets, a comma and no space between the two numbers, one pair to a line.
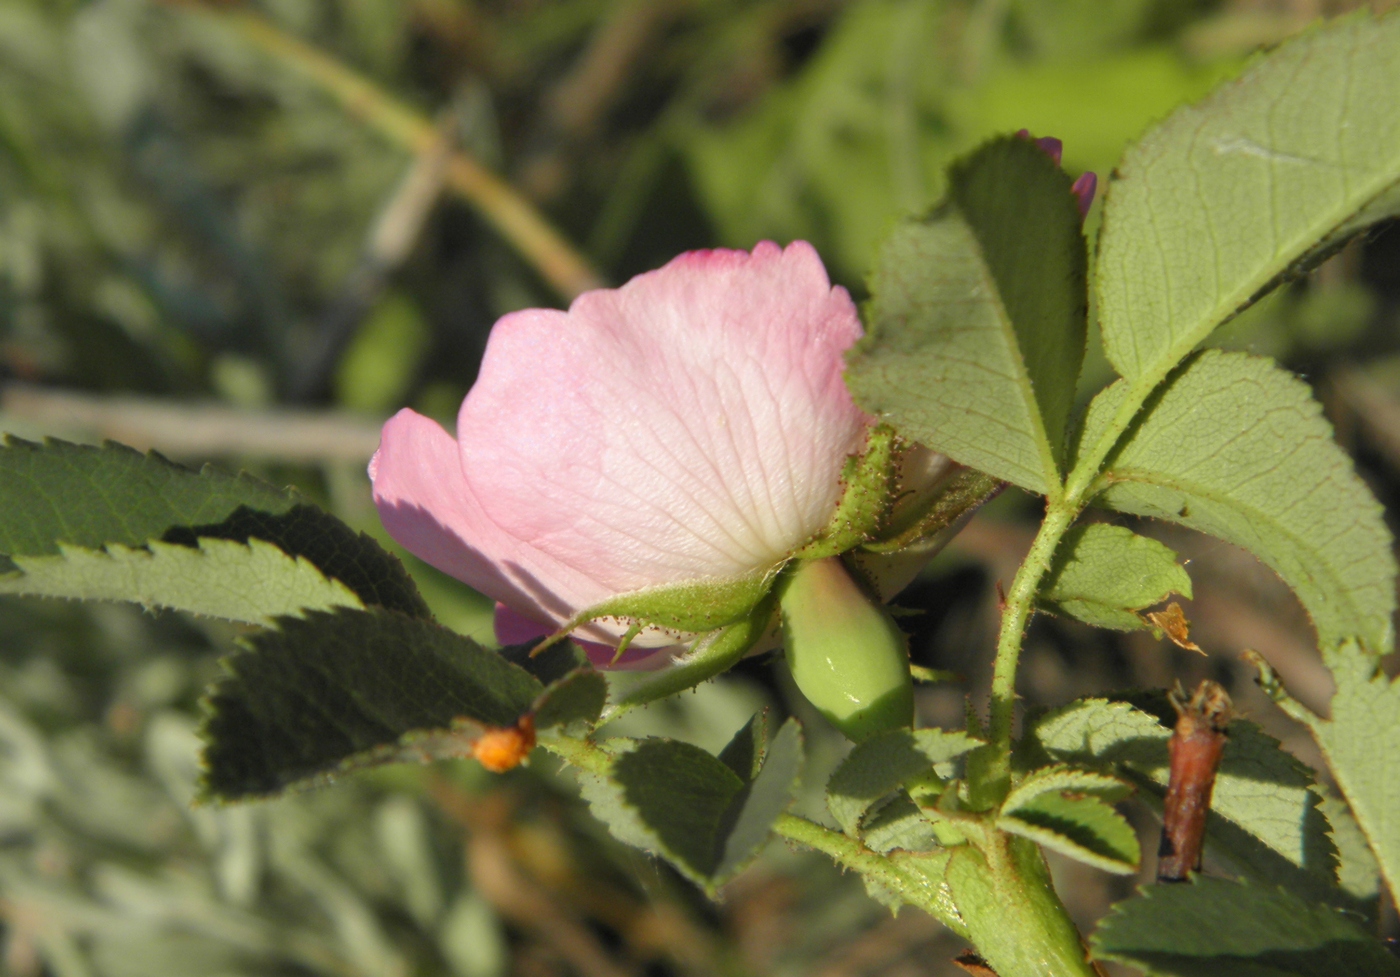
[768,795]
[975,329]
[1358,872]
[1065,810]
[881,764]
[333,692]
[251,582]
[693,809]
[1236,447]
[1362,745]
[1212,926]
[1060,779]
[1265,817]
[899,823]
[1214,205]
[57,498]
[577,697]
[57,492]
[1103,575]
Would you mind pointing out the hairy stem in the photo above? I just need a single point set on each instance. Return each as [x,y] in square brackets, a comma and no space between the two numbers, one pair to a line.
[1016,615]
[851,854]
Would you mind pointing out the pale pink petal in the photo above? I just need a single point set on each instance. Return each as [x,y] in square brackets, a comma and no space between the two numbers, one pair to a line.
[689,426]
[426,504]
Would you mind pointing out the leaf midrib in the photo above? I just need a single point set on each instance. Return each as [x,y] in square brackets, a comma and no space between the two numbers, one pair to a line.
[1050,469]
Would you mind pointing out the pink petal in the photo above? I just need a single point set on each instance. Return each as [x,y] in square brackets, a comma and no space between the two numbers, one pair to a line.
[426,504]
[690,425]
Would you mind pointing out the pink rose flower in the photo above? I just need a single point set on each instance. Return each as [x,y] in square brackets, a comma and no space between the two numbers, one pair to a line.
[690,426]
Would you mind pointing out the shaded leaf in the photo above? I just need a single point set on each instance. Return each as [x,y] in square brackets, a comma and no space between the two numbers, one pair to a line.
[577,697]
[57,492]
[1213,926]
[745,750]
[691,808]
[1063,779]
[335,691]
[1358,872]
[975,329]
[1236,447]
[1104,574]
[879,765]
[898,824]
[1213,205]
[768,795]
[1078,826]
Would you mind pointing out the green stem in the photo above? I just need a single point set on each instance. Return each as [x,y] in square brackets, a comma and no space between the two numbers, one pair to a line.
[1016,615]
[1062,509]
[851,854]
[1013,916]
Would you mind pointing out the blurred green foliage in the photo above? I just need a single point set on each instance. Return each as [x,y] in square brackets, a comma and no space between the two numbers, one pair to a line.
[184,215]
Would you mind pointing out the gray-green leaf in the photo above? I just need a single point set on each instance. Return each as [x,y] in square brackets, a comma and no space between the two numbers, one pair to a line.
[1214,926]
[1212,206]
[1103,575]
[975,329]
[1236,447]
[251,582]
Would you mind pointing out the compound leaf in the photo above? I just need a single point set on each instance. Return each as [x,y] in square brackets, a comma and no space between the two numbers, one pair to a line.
[1236,447]
[1210,208]
[975,329]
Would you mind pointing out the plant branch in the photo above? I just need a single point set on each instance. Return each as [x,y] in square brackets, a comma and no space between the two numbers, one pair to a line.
[1016,615]
[186,429]
[556,260]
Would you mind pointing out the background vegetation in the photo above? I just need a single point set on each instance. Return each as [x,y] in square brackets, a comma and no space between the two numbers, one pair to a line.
[246,232]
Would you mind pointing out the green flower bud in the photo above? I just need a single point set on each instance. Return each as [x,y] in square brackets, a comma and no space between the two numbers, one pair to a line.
[846,653]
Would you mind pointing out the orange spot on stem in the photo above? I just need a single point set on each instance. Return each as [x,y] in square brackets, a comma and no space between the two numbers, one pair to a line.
[502,748]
